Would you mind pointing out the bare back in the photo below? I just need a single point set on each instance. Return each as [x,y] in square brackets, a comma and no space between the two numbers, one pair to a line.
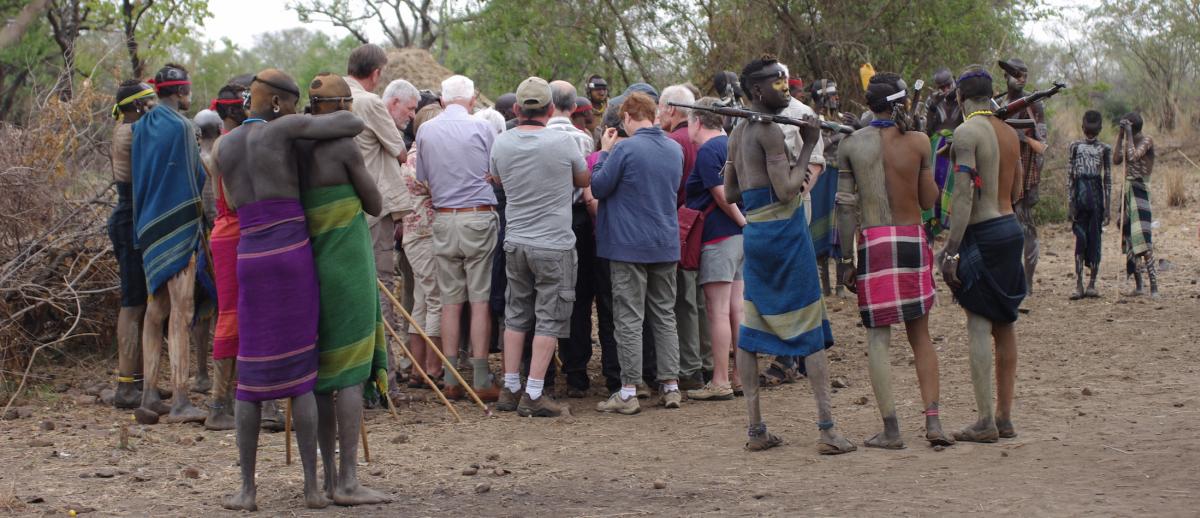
[890,173]
[758,157]
[335,162]
[256,160]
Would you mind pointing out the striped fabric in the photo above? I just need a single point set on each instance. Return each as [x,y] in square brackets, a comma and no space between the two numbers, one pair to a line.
[1136,228]
[350,330]
[277,302]
[785,313]
[224,244]
[895,275]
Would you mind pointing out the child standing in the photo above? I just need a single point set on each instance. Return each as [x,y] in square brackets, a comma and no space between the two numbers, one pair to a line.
[1089,184]
[1137,151]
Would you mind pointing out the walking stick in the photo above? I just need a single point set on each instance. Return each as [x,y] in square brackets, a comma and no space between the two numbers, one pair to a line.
[421,371]
[387,397]
[287,430]
[362,431]
[1122,208]
[396,303]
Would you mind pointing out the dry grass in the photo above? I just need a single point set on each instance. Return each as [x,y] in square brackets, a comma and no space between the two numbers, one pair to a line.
[1175,181]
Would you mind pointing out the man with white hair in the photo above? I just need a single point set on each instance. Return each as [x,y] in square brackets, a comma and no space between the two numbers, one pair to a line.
[400,98]
[695,349]
[383,151]
[577,350]
[455,154]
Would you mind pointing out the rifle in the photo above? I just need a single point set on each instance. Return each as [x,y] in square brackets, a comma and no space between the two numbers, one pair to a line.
[766,117]
[920,123]
[1013,107]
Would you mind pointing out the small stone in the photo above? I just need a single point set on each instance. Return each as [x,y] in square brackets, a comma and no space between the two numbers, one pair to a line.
[500,472]
[939,447]
[46,426]
[40,443]
[483,487]
[107,396]
[142,477]
[377,473]
[105,473]
[190,472]
[759,496]
[660,484]
[85,399]
[470,472]
[35,500]
[840,382]
[95,388]
[1003,454]
[1178,405]
[493,456]
[862,400]
[199,438]
[400,439]
[1086,391]
[186,441]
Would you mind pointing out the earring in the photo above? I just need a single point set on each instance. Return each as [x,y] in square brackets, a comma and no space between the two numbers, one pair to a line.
[275,109]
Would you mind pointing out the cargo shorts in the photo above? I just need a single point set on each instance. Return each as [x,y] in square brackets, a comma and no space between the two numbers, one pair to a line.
[541,287]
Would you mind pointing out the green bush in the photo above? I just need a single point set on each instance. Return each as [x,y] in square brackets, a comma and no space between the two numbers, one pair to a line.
[1051,208]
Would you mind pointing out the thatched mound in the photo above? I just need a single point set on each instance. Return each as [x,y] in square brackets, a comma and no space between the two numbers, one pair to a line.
[418,67]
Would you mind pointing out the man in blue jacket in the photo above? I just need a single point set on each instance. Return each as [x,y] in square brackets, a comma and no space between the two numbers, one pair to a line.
[637,230]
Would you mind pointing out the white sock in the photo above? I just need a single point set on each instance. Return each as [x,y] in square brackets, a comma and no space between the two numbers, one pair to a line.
[671,387]
[533,387]
[628,392]
[512,381]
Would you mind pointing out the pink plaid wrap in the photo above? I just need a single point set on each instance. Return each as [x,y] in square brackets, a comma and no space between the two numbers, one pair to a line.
[895,275]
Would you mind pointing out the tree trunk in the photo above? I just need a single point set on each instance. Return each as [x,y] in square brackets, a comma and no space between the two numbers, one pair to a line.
[14,30]
[136,63]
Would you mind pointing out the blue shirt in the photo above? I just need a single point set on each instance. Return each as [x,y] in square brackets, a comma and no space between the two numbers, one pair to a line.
[638,187]
[710,161]
[455,155]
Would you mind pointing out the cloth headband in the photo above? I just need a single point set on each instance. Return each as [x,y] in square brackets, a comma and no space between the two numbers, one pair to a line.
[277,86]
[896,96]
[977,73]
[316,99]
[164,84]
[116,111]
[796,83]
[766,73]
[213,105]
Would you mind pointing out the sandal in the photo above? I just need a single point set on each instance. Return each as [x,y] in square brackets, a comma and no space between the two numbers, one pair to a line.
[776,374]
[828,448]
[762,442]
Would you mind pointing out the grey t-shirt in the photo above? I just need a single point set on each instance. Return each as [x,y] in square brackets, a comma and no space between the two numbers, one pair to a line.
[535,168]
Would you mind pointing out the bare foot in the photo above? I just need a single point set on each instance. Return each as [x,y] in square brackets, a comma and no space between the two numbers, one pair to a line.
[219,421]
[762,442]
[884,441]
[241,501]
[144,415]
[1005,428]
[315,499]
[359,495]
[127,397]
[157,406]
[185,413]
[934,433]
[1091,293]
[984,432]
[202,385]
[1077,295]
[832,443]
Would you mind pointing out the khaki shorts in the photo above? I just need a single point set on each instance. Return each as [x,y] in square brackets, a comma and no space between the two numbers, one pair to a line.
[427,300]
[721,262]
[463,244]
[541,287]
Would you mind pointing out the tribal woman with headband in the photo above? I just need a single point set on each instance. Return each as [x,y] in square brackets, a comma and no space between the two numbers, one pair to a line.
[134,98]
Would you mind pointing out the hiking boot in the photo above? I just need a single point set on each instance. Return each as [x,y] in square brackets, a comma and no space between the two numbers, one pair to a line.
[544,406]
[614,403]
[577,393]
[670,399]
[643,391]
[712,392]
[508,399]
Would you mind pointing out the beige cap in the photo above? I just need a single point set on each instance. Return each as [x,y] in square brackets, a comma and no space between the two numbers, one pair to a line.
[534,92]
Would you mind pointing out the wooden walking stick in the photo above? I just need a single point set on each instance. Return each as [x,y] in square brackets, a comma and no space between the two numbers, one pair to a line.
[362,431]
[387,397]
[287,430]
[396,303]
[421,371]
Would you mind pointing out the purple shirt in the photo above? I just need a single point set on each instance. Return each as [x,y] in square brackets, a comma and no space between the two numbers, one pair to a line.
[455,152]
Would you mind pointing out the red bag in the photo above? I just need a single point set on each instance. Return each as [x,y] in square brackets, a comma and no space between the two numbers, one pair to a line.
[691,232]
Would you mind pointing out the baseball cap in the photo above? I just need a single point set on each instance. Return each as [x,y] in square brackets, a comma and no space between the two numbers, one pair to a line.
[533,92]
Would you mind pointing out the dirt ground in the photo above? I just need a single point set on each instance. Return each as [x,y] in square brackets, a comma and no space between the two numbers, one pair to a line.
[1107,406]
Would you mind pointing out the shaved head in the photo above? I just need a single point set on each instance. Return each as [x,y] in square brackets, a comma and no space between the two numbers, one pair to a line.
[273,93]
